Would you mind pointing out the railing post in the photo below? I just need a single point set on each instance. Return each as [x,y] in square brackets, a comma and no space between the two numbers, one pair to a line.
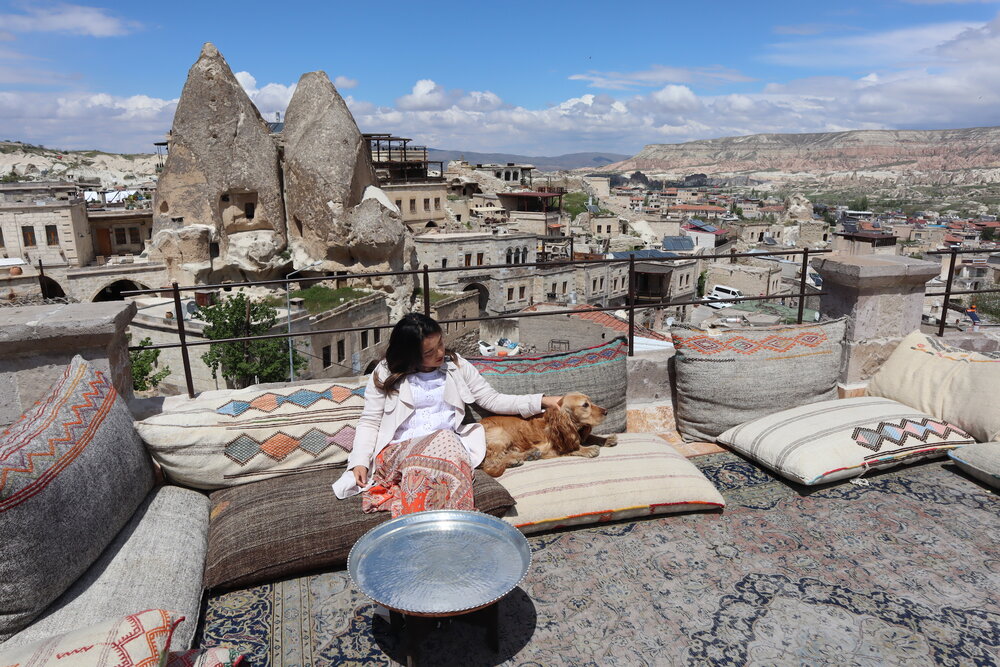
[41,279]
[732,251]
[802,282]
[631,305]
[947,293]
[427,292]
[179,315]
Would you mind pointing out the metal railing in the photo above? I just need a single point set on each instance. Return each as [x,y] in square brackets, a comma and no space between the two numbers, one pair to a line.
[949,282]
[424,275]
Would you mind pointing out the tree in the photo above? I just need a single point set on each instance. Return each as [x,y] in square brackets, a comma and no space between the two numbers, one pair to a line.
[244,363]
[144,373]
[987,234]
[988,303]
[702,279]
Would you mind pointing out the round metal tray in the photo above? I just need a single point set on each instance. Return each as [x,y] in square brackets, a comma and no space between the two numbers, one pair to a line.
[440,562]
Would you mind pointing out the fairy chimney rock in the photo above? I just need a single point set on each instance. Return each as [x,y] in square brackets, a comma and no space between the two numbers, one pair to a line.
[222,171]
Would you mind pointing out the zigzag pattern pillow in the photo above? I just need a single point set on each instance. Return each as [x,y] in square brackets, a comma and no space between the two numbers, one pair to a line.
[249,435]
[832,440]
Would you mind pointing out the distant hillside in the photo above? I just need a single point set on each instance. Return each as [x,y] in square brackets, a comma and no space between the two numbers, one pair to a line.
[566,162]
[30,162]
[887,154]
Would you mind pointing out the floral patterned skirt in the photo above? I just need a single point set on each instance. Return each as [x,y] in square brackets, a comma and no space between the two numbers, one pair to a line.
[428,473]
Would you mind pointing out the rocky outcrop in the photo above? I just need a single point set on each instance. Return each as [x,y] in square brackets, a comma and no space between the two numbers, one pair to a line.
[222,171]
[798,208]
[336,215]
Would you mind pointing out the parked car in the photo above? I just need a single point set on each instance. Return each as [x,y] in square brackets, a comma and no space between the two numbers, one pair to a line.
[722,292]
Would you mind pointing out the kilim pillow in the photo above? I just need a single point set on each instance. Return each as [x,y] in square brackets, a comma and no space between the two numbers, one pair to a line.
[72,473]
[642,476]
[249,435]
[725,378]
[832,440]
[599,372]
[282,527]
[137,639]
[950,383]
[982,461]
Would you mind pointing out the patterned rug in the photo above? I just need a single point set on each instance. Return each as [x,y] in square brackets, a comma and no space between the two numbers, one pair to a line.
[904,571]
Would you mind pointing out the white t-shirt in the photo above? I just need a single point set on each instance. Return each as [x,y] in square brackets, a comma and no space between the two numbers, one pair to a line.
[430,412]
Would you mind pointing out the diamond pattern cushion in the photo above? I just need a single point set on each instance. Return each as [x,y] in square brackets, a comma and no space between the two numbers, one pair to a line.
[725,378]
[981,460]
[216,656]
[250,435]
[642,476]
[285,526]
[832,440]
[72,473]
[138,639]
[597,371]
[950,383]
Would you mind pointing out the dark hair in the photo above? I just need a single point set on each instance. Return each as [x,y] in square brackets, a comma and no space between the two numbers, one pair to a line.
[404,354]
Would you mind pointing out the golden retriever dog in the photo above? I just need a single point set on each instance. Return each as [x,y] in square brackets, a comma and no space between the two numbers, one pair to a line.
[510,441]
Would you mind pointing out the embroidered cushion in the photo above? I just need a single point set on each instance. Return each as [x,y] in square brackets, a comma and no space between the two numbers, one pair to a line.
[948,382]
[832,440]
[245,436]
[217,656]
[725,378]
[642,476]
[138,639]
[72,473]
[981,460]
[282,527]
[599,372]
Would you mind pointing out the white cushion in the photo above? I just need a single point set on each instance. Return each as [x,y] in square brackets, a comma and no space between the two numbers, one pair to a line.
[642,476]
[832,440]
[981,460]
[948,382]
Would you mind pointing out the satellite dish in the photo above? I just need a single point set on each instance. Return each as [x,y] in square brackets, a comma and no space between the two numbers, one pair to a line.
[191,307]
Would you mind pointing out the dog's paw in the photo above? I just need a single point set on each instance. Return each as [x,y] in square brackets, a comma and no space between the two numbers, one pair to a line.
[590,452]
[532,454]
[610,441]
[514,463]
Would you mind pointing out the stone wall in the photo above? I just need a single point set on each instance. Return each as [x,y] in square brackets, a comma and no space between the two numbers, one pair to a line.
[37,342]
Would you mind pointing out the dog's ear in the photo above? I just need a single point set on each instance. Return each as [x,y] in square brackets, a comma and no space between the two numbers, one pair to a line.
[563,432]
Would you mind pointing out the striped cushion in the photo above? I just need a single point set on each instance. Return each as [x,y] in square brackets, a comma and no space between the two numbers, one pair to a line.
[832,440]
[642,476]
[982,461]
[598,371]
[253,434]
[72,473]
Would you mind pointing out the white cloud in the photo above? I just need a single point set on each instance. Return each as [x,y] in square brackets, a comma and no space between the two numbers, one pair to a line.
[657,75]
[427,95]
[270,98]
[345,82]
[70,19]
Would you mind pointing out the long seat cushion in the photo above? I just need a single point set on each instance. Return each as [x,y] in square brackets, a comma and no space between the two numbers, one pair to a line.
[642,476]
[280,527]
[155,562]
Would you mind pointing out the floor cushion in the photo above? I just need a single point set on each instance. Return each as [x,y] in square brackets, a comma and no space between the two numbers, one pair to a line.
[142,638]
[250,435]
[277,528]
[642,476]
[217,656]
[599,371]
[948,382]
[981,460]
[728,377]
[832,440]
[155,561]
[72,473]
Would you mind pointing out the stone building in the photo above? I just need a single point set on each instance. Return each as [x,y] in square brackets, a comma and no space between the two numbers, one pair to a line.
[751,280]
[510,173]
[538,213]
[421,205]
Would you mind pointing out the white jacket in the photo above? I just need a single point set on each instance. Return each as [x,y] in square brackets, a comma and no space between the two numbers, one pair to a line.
[383,415]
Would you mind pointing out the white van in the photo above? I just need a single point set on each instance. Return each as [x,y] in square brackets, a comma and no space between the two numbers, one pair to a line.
[722,292]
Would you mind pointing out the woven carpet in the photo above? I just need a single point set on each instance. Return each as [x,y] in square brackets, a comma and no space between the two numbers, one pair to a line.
[905,571]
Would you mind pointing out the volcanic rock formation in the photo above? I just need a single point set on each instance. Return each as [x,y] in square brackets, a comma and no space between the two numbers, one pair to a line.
[221,172]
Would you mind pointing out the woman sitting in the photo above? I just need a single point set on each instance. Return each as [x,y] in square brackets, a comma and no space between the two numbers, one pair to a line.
[411,451]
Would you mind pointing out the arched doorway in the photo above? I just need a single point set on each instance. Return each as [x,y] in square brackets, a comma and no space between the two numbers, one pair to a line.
[113,291]
[484,295]
[50,288]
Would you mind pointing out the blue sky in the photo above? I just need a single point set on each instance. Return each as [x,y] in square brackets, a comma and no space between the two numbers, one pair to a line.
[535,78]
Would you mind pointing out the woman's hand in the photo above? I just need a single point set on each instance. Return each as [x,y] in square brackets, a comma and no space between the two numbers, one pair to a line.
[551,402]
[360,475]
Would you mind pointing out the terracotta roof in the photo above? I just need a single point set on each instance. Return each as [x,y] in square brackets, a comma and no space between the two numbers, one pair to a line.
[950,238]
[697,207]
